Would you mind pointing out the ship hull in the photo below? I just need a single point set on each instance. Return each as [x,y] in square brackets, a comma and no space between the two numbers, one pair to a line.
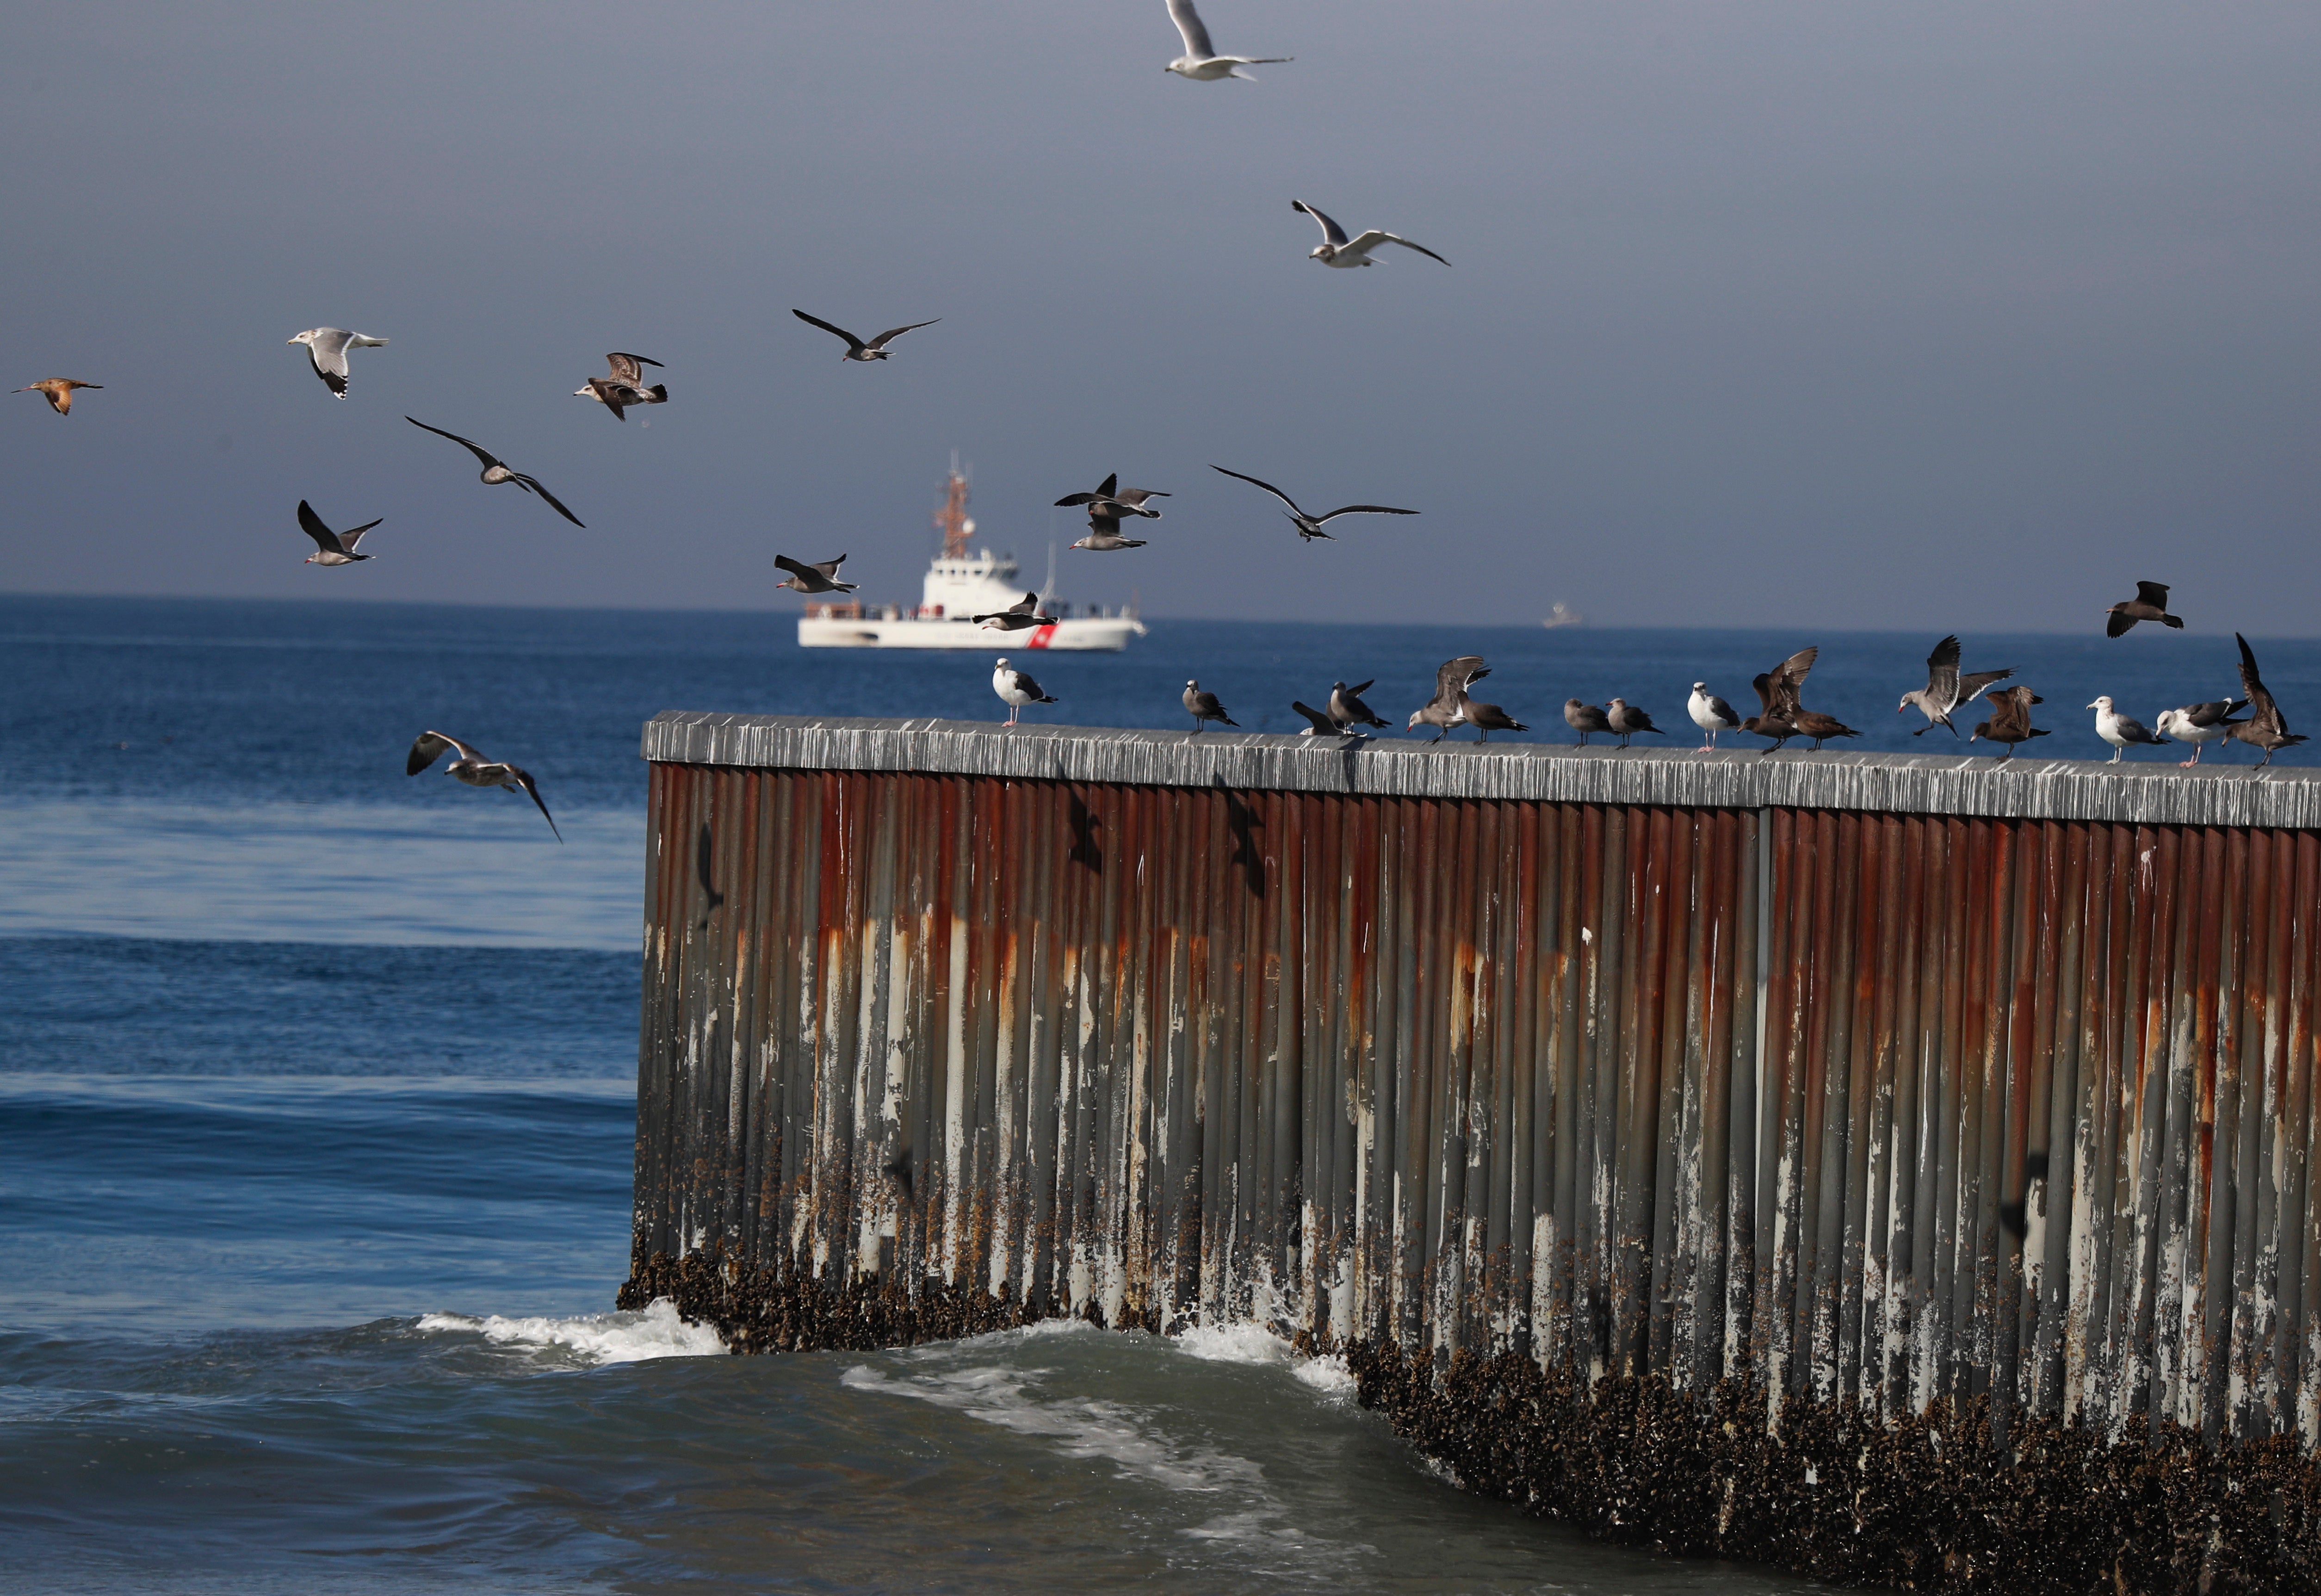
[1110,633]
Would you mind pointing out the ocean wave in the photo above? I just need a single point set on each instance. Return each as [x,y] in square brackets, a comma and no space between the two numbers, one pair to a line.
[591,1339]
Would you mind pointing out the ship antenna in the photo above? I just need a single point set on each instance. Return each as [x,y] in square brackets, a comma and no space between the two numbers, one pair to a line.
[952,519]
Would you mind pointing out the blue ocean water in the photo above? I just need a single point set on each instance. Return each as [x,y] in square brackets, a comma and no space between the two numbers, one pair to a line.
[317,1090]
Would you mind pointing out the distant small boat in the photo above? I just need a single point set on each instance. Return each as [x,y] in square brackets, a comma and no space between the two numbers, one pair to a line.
[1563,615]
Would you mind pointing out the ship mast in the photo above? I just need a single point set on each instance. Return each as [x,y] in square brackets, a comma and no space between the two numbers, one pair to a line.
[952,520]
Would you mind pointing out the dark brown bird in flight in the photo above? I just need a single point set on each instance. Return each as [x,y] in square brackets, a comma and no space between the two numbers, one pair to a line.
[2150,603]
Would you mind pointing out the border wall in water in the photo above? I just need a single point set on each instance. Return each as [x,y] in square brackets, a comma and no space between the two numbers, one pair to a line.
[1641,1127]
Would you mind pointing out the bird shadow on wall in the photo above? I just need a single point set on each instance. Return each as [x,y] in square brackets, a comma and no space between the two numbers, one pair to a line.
[1244,822]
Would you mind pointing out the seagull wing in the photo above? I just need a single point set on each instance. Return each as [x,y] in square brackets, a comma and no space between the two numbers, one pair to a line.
[1789,679]
[1942,686]
[1371,238]
[893,333]
[2263,712]
[1364,510]
[531,790]
[1451,676]
[2154,594]
[851,341]
[797,567]
[532,484]
[629,368]
[1331,234]
[1970,686]
[348,539]
[477,450]
[1324,726]
[1196,35]
[429,747]
[324,538]
[1268,487]
[1763,683]
[613,394]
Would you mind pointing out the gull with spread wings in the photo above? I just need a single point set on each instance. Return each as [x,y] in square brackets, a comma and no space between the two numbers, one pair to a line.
[496,471]
[2266,727]
[472,769]
[331,548]
[626,386]
[1201,63]
[327,347]
[820,577]
[856,350]
[1448,707]
[1337,250]
[1945,688]
[1309,527]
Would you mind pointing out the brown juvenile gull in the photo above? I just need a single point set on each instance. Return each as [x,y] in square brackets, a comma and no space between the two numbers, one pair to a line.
[2199,724]
[1309,527]
[856,350]
[1627,720]
[474,770]
[1711,714]
[2265,727]
[1016,689]
[1201,63]
[2011,719]
[2150,603]
[1017,616]
[58,391]
[1486,718]
[1777,694]
[331,548]
[327,347]
[494,472]
[625,386]
[1945,688]
[1202,706]
[1336,249]
[1347,708]
[821,576]
[1585,719]
[2122,731]
[1110,499]
[1820,728]
[1447,708]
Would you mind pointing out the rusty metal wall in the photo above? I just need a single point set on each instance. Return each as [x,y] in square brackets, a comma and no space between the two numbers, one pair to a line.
[1701,1091]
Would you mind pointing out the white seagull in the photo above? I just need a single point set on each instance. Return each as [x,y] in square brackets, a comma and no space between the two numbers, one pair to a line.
[474,770]
[331,548]
[1711,714]
[1337,250]
[1016,689]
[327,347]
[2200,725]
[1201,61]
[1021,614]
[2122,731]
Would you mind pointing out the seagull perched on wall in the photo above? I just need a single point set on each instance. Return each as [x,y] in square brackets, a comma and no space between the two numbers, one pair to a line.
[1201,63]
[856,350]
[2199,724]
[474,770]
[626,385]
[1337,250]
[1486,718]
[1204,706]
[819,578]
[58,391]
[327,347]
[2121,731]
[2150,603]
[1585,719]
[2010,720]
[1711,714]
[1945,688]
[1448,707]
[1016,689]
[1347,708]
[1309,527]
[2266,727]
[1629,721]
[1017,616]
[331,548]
[1778,690]
[494,472]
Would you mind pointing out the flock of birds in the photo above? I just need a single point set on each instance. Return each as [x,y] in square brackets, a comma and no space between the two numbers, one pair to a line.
[1781,717]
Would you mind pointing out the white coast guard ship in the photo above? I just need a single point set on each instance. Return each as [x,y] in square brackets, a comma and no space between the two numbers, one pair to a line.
[960,585]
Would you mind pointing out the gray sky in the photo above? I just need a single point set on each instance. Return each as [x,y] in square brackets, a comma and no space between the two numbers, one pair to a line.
[1754,306]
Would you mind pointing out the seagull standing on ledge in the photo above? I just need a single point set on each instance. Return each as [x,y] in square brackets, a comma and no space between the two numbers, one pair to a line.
[474,770]
[2199,724]
[1448,707]
[1628,720]
[856,350]
[1202,706]
[2122,731]
[821,576]
[1945,688]
[2266,727]
[1711,714]
[1585,719]
[1337,250]
[1347,708]
[331,548]
[1201,63]
[327,347]
[1016,689]
[2011,719]
[58,391]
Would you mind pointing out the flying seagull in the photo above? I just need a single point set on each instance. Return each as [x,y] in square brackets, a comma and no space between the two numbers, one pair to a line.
[626,385]
[2122,731]
[1777,694]
[1347,708]
[1202,706]
[58,391]
[1945,688]
[494,472]
[1201,61]
[822,578]
[1320,722]
[1628,720]
[1112,500]
[1711,714]
[1025,612]
[2265,727]
[856,350]
[2199,724]
[1309,527]
[1336,249]
[1104,536]
[1016,689]
[2010,720]
[2150,603]
[331,548]
[327,347]
[474,770]
[1585,719]
[1448,707]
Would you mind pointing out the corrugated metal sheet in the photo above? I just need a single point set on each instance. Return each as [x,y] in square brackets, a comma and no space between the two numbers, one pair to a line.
[1700,1091]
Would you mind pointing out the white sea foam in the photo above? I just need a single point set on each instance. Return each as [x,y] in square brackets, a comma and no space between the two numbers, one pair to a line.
[592,1339]
[1248,1343]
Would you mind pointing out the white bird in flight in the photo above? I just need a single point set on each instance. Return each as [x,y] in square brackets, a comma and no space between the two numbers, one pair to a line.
[327,347]
[331,548]
[1201,61]
[1337,250]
